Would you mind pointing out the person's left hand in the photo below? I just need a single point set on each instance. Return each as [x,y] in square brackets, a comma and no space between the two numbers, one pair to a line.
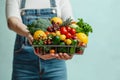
[63,56]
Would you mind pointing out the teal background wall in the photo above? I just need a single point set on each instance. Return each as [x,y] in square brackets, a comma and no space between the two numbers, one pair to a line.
[101,59]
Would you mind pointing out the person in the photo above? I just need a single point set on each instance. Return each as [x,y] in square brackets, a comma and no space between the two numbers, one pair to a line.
[27,65]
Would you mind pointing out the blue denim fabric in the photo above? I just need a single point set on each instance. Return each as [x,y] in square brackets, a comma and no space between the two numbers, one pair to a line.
[26,65]
[30,15]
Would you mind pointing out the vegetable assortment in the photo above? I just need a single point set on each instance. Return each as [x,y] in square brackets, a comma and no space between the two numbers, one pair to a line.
[56,36]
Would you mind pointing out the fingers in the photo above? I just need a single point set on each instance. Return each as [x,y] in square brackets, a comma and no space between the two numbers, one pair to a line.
[57,56]
[61,56]
[30,38]
[64,56]
[46,56]
[43,56]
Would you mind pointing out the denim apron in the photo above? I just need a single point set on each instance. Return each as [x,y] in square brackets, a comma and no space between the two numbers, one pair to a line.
[26,65]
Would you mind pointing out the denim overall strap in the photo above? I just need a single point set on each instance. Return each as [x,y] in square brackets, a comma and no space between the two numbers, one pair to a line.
[52,3]
[47,13]
[22,4]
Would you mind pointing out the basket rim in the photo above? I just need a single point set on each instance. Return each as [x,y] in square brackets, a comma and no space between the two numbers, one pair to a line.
[57,46]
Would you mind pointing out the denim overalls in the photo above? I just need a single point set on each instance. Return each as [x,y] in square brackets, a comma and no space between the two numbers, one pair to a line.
[26,65]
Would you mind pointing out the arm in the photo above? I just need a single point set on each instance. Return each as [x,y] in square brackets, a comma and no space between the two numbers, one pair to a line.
[17,26]
[14,19]
[15,23]
[66,9]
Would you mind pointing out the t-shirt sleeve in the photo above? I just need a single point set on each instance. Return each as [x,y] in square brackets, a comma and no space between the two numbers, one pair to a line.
[66,9]
[12,9]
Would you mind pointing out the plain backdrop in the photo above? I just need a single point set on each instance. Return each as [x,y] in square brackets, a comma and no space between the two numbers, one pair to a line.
[101,59]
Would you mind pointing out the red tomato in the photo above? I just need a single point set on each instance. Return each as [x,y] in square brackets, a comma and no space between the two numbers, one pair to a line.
[36,50]
[74,37]
[68,28]
[72,31]
[63,30]
[68,35]
[80,52]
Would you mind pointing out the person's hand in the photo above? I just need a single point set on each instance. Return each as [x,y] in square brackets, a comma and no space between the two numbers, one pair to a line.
[30,38]
[64,56]
[45,56]
[61,56]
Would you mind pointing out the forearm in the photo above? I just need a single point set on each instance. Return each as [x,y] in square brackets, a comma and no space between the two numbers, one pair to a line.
[17,26]
[66,10]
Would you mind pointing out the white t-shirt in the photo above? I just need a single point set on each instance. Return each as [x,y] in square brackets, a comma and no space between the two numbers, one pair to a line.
[13,7]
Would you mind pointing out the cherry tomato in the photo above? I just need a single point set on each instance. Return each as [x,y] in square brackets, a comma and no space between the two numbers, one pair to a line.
[57,33]
[62,37]
[68,41]
[80,52]
[63,30]
[72,31]
[68,28]
[68,35]
[36,50]
[49,29]
[74,37]
[52,51]
[47,32]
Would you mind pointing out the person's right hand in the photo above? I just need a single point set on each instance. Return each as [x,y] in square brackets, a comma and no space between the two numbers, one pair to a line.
[30,38]
[44,57]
